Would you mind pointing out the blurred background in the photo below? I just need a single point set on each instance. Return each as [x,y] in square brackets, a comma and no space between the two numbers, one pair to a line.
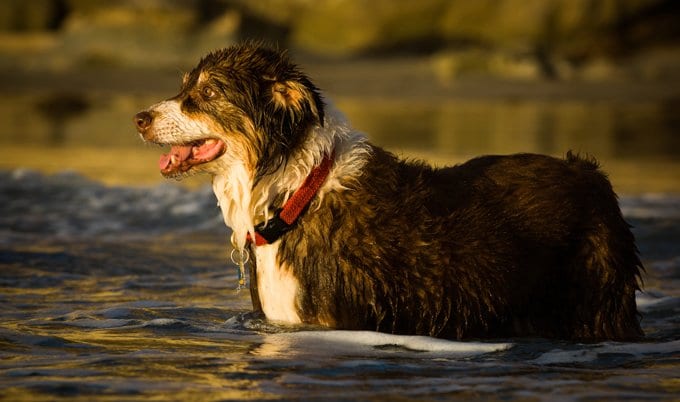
[442,80]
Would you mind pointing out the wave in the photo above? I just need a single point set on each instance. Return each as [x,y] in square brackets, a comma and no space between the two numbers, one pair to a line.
[368,343]
[586,354]
[69,205]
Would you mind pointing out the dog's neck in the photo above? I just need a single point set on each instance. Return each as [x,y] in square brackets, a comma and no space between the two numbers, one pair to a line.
[245,204]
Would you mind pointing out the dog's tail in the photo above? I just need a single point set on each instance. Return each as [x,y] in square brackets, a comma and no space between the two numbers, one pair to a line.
[607,267]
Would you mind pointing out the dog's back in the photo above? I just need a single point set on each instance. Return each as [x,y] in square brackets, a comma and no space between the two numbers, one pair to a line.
[522,245]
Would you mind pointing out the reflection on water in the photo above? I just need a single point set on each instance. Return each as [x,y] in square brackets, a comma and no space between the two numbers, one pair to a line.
[470,127]
[636,141]
[57,109]
[610,131]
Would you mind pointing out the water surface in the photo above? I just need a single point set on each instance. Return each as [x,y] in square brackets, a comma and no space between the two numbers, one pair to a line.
[117,285]
[126,293]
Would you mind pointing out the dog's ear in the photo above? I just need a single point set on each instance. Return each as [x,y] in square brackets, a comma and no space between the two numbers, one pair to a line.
[299,98]
[292,95]
[290,107]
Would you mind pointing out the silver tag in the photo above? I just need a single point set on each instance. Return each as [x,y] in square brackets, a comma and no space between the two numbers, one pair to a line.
[241,258]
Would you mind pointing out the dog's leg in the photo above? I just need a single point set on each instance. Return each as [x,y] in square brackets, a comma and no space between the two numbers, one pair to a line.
[254,295]
[604,304]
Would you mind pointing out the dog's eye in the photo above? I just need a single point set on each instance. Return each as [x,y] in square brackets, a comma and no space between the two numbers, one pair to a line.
[208,93]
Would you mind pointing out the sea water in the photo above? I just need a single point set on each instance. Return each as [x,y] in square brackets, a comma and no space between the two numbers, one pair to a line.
[128,293]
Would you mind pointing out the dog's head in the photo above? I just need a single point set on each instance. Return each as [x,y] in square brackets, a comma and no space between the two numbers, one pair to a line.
[247,104]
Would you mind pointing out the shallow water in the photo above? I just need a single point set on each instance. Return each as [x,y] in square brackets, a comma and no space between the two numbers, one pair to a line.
[126,293]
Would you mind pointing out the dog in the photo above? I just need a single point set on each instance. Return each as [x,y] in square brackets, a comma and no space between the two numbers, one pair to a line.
[343,234]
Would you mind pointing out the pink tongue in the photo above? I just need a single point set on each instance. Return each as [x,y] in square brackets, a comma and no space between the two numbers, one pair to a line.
[181,153]
[209,150]
[182,157]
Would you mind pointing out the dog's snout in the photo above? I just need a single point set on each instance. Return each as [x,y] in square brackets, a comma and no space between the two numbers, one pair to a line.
[143,121]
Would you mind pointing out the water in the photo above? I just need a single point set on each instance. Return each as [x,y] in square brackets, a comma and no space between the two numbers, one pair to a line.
[126,293]
[116,287]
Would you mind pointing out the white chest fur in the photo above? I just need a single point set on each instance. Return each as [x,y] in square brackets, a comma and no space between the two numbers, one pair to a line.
[276,285]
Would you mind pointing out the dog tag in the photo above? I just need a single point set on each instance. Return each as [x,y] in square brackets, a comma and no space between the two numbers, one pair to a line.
[240,258]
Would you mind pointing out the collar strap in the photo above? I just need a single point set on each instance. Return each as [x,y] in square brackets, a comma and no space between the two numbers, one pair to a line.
[284,219]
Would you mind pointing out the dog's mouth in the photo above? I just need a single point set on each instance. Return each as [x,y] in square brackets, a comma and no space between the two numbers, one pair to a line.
[182,158]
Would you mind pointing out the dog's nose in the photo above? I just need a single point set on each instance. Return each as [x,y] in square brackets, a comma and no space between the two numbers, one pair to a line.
[143,121]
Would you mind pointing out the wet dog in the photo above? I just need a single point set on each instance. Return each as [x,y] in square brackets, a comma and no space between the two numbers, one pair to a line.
[345,235]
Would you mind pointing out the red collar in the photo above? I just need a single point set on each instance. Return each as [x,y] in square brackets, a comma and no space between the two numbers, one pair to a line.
[285,218]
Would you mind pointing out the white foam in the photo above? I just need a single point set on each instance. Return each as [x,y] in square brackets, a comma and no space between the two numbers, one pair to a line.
[585,355]
[649,302]
[162,322]
[651,206]
[368,343]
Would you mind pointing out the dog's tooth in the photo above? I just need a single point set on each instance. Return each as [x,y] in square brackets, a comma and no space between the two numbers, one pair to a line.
[173,159]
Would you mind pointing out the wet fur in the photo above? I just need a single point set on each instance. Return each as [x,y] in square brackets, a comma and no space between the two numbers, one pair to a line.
[500,246]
